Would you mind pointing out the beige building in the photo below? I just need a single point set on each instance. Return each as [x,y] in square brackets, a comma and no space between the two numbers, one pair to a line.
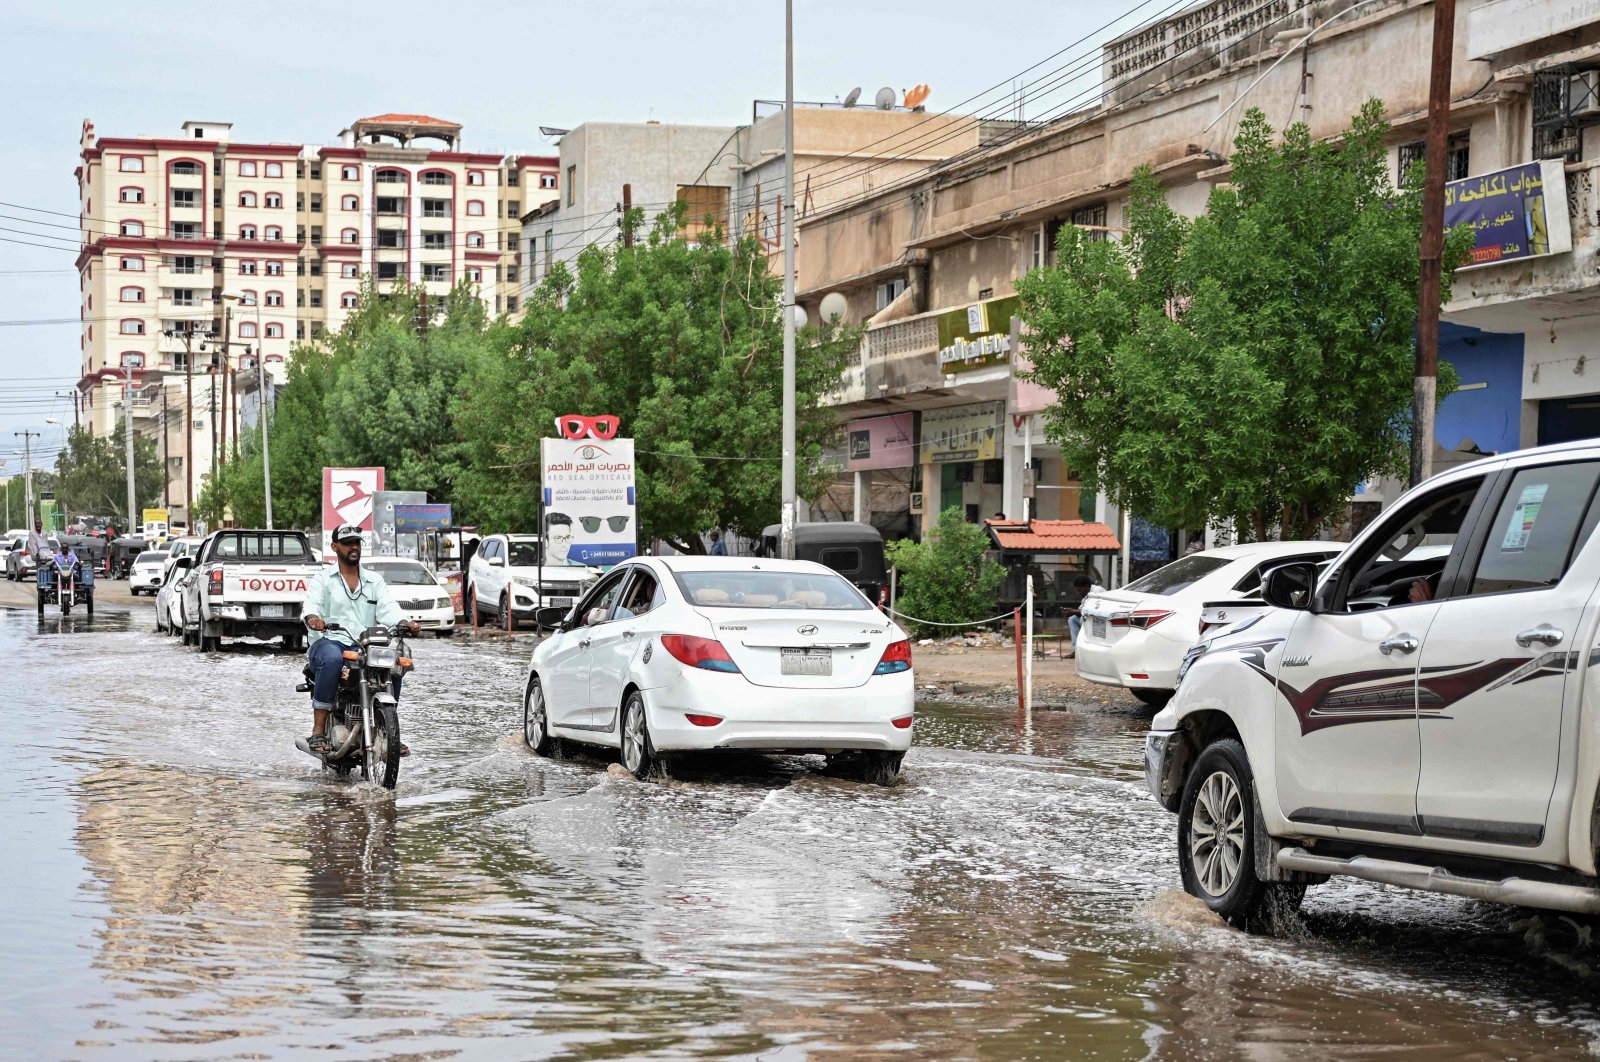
[171,225]
[950,242]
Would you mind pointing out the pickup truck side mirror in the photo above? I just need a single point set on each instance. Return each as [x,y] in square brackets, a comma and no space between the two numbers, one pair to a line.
[1290,586]
[183,562]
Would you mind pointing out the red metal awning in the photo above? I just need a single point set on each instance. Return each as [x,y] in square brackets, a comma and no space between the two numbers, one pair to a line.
[1052,536]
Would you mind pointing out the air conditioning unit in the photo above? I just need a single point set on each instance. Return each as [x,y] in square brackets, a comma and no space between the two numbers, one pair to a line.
[916,501]
[1583,95]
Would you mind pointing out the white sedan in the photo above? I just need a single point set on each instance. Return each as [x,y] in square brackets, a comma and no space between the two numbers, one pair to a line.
[677,654]
[1136,636]
[422,598]
[169,599]
[145,575]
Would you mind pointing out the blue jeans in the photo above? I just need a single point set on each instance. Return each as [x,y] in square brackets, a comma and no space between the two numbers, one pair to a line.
[1074,624]
[326,657]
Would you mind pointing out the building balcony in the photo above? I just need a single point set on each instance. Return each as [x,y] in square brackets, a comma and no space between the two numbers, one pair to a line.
[194,306]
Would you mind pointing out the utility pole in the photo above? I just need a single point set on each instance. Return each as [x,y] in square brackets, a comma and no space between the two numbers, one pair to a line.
[127,417]
[627,205]
[227,342]
[27,475]
[788,479]
[1425,385]
[166,476]
[188,429]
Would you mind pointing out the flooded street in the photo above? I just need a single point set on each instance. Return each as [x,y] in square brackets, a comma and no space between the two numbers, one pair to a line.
[182,884]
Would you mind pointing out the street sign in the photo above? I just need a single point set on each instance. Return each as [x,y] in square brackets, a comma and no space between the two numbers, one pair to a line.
[590,516]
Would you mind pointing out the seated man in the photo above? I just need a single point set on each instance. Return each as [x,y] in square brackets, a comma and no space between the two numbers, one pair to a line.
[1083,586]
[353,598]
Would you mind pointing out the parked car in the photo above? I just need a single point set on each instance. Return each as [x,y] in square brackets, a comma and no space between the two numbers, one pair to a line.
[181,547]
[8,543]
[420,594]
[854,550]
[505,580]
[1408,717]
[169,599]
[248,583]
[21,564]
[145,575]
[1136,636]
[674,654]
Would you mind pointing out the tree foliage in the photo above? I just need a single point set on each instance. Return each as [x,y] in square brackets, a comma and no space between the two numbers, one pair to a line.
[92,475]
[1254,363]
[948,577]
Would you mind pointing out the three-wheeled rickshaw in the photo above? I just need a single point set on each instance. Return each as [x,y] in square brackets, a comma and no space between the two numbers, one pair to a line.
[854,550]
[65,583]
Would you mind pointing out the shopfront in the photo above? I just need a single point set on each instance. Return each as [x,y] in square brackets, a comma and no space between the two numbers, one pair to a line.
[881,459]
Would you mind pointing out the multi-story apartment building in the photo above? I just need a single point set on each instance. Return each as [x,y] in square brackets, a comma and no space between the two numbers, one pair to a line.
[189,238]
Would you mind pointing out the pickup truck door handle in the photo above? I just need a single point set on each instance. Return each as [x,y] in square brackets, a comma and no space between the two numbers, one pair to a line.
[1404,643]
[627,634]
[583,643]
[1542,633]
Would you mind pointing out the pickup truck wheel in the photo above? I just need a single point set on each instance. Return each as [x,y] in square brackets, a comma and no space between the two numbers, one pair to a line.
[1216,841]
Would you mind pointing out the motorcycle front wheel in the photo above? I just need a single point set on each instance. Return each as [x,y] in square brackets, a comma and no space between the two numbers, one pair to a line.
[382,762]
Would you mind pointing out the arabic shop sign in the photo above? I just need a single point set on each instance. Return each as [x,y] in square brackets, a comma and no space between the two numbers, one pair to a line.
[1516,213]
[962,433]
[978,336]
[590,512]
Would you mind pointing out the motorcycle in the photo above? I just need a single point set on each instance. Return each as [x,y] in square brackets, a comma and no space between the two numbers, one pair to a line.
[364,723]
[67,584]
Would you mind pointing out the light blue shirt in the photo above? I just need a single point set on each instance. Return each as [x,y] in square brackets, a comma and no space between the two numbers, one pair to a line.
[330,599]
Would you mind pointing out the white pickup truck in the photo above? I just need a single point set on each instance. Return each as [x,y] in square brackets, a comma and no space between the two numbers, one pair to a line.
[248,583]
[1425,712]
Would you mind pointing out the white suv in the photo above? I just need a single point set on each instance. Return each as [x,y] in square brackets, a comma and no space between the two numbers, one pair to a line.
[505,579]
[1425,713]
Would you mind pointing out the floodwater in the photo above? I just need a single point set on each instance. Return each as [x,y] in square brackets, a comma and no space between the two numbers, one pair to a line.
[180,883]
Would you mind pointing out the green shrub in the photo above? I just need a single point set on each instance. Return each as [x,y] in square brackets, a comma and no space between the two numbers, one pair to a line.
[947,578]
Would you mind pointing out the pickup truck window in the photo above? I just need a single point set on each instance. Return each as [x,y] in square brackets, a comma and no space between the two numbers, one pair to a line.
[1411,545]
[1531,541]
[284,546]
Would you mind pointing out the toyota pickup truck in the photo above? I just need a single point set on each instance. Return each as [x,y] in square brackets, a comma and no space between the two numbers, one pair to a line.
[248,584]
[1424,712]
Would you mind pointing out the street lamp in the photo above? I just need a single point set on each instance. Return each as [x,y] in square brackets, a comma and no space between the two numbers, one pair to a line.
[234,295]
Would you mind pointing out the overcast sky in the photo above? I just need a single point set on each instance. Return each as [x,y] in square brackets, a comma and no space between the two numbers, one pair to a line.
[300,72]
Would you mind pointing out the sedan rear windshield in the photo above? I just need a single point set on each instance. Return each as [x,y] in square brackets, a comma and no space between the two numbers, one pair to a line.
[1179,575]
[151,556]
[756,589]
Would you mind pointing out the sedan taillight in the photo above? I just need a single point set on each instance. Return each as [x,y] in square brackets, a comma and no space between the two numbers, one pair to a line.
[1141,618]
[707,654]
[895,659]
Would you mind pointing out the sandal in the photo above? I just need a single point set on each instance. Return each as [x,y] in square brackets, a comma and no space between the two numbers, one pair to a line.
[319,745]
[405,750]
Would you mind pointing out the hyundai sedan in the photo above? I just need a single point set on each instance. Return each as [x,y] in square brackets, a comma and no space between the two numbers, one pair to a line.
[677,654]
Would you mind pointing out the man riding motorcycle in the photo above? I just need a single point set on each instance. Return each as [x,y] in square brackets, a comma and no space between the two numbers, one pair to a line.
[355,599]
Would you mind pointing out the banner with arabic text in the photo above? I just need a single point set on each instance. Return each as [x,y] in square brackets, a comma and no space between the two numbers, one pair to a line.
[1515,213]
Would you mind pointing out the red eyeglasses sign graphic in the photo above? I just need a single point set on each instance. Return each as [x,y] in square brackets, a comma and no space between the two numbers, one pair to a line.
[573,426]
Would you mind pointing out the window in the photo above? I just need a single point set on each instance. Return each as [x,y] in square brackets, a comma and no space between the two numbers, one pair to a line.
[435,241]
[889,291]
[1457,157]
[247,267]
[274,269]
[391,204]
[274,298]
[247,298]
[247,232]
[133,264]
[475,274]
[316,202]
[184,169]
[391,176]
[1411,545]
[437,177]
[1534,533]
[511,304]
[185,263]
[316,267]
[132,195]
[317,330]
[247,169]
[547,180]
[133,327]
[274,232]
[274,169]
[316,235]
[350,202]
[348,300]
[185,230]
[513,178]
[274,201]
[132,228]
[1092,215]
[705,207]
[274,331]
[187,199]
[247,330]
[299,329]
[349,269]
[513,208]
[549,254]
[132,294]
[391,239]
[316,300]
[474,239]
[475,177]
[572,181]
[349,173]
[475,208]
[437,272]
[184,297]
[436,208]
[132,164]
[352,236]
[388,270]
[247,199]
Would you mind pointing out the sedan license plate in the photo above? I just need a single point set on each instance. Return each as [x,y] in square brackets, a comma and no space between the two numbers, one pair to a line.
[564,602]
[272,611]
[807,662]
[1097,626]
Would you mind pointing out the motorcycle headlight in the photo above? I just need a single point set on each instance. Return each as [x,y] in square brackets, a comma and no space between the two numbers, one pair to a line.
[383,658]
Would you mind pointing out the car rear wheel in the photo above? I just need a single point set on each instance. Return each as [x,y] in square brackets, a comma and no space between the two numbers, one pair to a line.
[507,620]
[872,767]
[638,752]
[535,718]
[1216,841]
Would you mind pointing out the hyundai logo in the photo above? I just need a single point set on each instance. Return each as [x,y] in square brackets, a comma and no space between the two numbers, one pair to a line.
[807,629]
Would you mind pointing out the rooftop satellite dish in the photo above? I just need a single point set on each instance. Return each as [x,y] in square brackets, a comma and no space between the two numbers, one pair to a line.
[855,94]
[885,98]
[917,96]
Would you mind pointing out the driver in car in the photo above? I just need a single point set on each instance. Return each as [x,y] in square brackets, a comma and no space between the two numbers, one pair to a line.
[354,598]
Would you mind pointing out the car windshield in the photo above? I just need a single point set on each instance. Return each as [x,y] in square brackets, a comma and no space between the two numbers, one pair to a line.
[151,556]
[404,574]
[524,554]
[757,589]
[1179,575]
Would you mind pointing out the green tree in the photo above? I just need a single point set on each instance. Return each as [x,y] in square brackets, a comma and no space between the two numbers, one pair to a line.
[948,577]
[92,475]
[682,341]
[1254,363]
